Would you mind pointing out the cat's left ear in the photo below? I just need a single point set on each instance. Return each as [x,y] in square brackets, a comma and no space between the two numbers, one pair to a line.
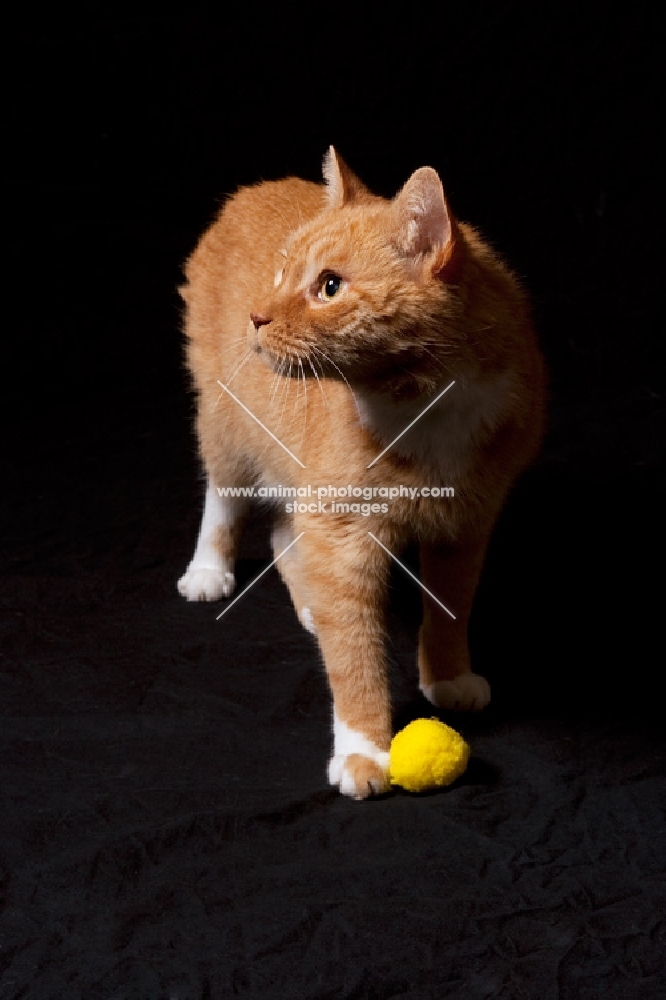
[342,185]
[421,222]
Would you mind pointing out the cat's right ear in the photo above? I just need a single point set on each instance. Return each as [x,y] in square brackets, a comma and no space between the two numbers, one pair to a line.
[342,185]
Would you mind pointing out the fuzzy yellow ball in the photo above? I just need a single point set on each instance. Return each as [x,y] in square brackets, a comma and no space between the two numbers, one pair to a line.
[427,754]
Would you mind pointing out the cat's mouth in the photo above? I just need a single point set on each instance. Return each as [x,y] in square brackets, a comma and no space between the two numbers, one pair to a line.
[288,360]
[290,364]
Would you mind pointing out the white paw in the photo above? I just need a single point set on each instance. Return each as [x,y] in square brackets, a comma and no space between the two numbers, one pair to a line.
[206,583]
[359,776]
[307,621]
[358,767]
[466,693]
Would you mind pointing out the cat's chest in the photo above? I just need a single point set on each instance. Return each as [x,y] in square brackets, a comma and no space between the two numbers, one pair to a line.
[440,435]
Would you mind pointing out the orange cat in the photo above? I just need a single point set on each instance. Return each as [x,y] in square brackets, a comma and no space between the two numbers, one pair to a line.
[332,318]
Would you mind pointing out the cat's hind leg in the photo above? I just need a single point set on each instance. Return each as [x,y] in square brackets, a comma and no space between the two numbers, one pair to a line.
[446,677]
[210,574]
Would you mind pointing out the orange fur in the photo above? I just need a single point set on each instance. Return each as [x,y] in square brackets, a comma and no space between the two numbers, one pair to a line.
[423,301]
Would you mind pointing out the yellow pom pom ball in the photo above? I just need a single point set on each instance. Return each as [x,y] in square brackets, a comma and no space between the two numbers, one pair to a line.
[427,754]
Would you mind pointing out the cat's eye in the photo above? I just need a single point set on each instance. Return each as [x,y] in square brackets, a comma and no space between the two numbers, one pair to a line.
[330,285]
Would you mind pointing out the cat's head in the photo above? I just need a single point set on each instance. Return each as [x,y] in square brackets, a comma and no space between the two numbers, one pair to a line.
[367,288]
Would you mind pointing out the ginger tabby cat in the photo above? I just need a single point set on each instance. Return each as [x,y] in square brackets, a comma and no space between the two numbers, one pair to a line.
[335,317]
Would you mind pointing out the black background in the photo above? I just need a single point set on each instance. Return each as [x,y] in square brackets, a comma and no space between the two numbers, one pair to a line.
[166,829]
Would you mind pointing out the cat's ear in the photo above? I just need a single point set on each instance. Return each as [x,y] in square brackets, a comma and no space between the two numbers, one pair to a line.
[342,185]
[421,221]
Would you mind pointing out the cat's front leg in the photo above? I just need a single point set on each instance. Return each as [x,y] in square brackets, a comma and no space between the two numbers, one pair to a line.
[446,677]
[286,555]
[345,574]
[210,574]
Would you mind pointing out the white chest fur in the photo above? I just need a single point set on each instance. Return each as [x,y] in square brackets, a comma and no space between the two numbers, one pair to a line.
[444,436]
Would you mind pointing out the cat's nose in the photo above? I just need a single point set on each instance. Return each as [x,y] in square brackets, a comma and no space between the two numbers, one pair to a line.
[259,320]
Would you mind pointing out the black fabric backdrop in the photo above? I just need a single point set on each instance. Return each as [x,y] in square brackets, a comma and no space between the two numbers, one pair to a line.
[166,831]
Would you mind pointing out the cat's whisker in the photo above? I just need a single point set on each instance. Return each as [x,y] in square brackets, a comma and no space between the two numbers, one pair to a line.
[241,364]
[319,383]
[232,348]
[432,354]
[305,392]
[284,397]
[314,372]
[286,391]
[342,375]
[276,382]
[301,375]
[272,390]
[321,367]
[289,391]
[284,380]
